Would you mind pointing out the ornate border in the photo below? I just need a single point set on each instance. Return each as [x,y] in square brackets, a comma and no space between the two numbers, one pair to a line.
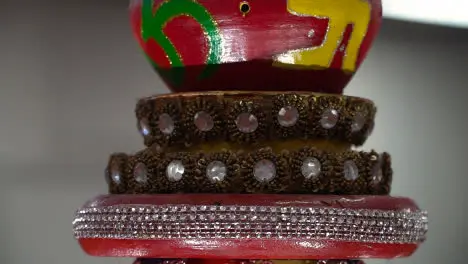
[252,117]
[248,261]
[181,221]
[307,170]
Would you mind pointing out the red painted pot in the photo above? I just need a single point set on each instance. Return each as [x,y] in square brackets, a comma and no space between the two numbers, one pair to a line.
[276,45]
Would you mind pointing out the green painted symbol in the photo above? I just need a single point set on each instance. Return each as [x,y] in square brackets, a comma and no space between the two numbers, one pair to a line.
[154,21]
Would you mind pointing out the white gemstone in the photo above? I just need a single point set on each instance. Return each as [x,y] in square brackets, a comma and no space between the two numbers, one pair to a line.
[166,124]
[114,174]
[376,179]
[175,170]
[358,122]
[377,173]
[329,118]
[350,170]
[144,127]
[264,170]
[203,121]
[216,171]
[311,168]
[246,123]
[288,116]
[140,173]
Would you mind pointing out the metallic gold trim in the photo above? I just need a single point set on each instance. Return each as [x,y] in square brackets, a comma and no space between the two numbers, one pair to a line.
[225,106]
[373,176]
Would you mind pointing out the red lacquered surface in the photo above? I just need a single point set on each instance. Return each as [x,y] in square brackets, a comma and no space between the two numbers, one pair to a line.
[240,261]
[227,248]
[246,249]
[292,45]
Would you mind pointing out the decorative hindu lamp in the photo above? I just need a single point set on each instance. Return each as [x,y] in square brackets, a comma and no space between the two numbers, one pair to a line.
[250,159]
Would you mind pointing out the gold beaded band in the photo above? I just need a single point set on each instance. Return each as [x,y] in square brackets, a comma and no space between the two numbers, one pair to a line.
[307,170]
[191,118]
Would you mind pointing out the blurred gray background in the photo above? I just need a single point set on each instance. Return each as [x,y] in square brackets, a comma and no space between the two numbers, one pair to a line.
[70,74]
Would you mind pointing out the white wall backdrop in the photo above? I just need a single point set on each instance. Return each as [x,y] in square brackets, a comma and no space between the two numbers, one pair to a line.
[70,75]
[446,12]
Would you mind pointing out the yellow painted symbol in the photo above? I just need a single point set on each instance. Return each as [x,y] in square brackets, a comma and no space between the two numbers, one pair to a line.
[340,13]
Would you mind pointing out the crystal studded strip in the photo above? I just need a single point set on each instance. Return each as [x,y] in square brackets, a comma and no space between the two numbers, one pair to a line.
[156,222]
[241,261]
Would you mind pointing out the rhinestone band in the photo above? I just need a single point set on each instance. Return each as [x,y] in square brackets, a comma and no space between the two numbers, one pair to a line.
[186,119]
[307,170]
[188,261]
[244,222]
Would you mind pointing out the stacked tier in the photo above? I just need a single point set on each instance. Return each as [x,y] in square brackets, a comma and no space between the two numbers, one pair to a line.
[259,174]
